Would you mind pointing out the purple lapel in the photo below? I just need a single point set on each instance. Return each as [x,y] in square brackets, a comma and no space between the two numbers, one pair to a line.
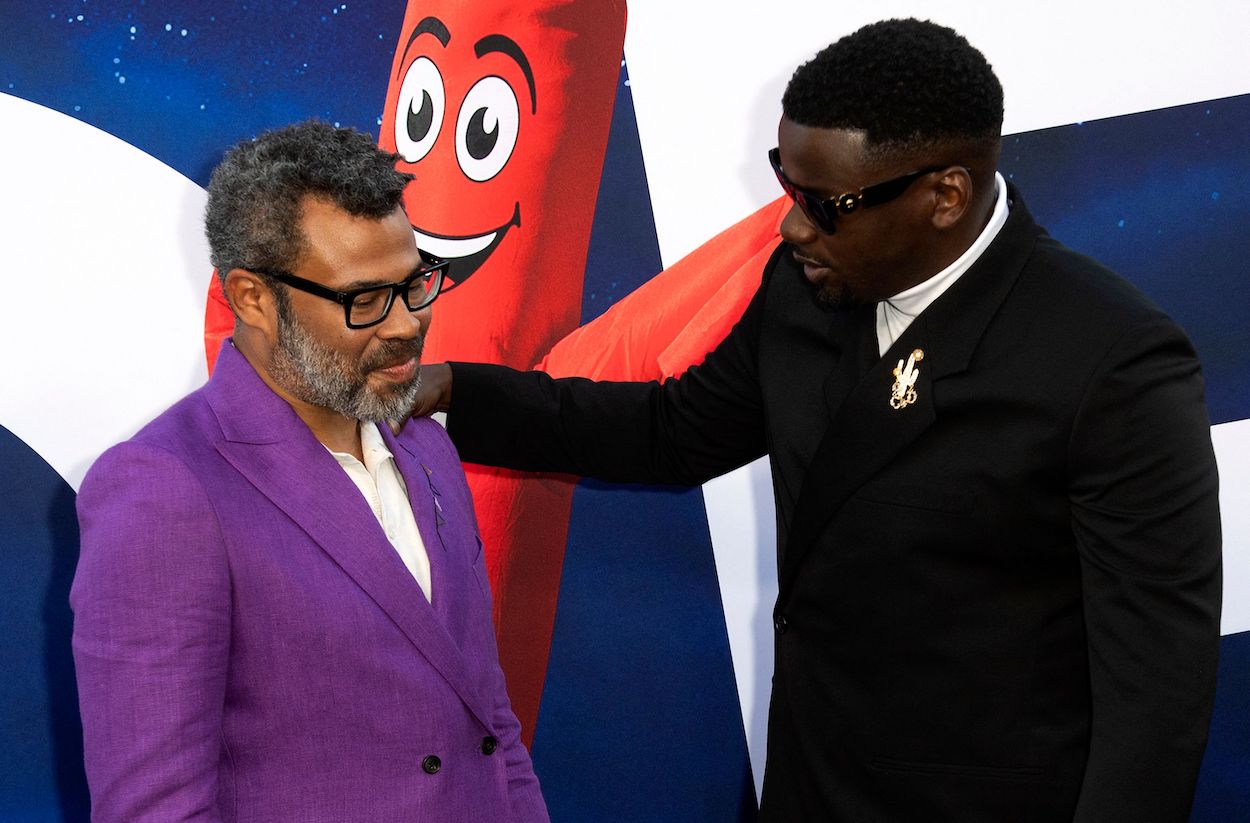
[444,516]
[267,442]
[423,496]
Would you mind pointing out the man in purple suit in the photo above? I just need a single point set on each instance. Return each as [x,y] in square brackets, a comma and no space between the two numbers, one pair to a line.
[281,608]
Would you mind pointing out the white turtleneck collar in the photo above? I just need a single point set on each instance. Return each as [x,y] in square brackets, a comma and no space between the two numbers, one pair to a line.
[895,314]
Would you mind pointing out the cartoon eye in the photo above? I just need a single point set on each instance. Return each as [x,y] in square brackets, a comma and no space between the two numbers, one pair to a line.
[486,128]
[419,113]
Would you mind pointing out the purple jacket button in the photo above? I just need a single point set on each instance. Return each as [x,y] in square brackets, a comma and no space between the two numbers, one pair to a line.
[489,744]
[431,764]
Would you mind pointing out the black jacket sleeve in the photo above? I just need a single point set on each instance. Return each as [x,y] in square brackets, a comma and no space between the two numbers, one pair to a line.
[1145,514]
[686,430]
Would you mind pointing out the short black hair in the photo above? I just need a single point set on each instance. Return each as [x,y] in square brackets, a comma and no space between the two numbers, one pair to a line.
[256,192]
[907,84]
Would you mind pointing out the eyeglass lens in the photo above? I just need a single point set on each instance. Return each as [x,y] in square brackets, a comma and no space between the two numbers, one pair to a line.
[371,305]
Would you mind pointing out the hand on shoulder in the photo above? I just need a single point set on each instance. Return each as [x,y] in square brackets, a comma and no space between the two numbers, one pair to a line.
[434,394]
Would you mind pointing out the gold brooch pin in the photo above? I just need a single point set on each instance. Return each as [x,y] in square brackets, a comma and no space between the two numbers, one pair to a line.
[903,392]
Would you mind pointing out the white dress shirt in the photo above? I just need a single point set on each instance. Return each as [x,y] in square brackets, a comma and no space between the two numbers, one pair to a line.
[383,487]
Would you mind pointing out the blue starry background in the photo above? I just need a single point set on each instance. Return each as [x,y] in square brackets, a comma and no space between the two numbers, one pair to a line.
[183,81]
[1163,198]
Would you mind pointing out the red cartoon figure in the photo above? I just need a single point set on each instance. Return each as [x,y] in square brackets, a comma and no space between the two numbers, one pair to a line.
[502,112]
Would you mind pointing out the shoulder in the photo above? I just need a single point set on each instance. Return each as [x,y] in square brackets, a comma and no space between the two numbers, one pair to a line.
[148,478]
[1086,279]
[425,437]
[1060,283]
[1077,303]
[145,520]
[187,422]
[1099,334]
[427,440]
[1056,278]
[160,458]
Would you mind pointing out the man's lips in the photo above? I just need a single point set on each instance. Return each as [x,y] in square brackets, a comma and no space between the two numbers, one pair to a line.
[465,254]
[401,371]
[813,270]
[396,360]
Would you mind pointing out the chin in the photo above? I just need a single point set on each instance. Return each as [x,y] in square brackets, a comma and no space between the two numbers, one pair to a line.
[838,297]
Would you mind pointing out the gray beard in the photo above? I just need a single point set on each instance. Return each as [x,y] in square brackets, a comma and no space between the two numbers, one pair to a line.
[318,375]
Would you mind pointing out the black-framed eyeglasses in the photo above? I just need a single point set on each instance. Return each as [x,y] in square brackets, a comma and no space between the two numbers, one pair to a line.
[823,212]
[370,305]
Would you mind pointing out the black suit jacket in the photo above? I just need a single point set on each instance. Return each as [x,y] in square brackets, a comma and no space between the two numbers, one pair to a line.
[999,603]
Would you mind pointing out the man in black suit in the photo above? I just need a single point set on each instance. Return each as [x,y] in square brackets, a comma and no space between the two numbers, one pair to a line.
[997,515]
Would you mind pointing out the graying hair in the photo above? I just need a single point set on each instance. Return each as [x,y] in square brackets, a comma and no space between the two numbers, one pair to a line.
[255,194]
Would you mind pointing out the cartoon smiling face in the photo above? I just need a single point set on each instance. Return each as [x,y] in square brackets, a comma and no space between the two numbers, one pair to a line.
[483,127]
[502,114]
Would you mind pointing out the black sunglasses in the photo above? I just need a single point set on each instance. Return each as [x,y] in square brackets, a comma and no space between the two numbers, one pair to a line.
[824,212]
[370,305]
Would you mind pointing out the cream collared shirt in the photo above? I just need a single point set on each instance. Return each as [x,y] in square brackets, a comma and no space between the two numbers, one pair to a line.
[382,485]
[895,314]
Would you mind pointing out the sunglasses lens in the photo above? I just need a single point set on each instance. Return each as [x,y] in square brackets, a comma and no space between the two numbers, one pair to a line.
[816,212]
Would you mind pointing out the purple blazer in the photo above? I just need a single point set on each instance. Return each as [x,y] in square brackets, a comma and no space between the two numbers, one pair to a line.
[250,647]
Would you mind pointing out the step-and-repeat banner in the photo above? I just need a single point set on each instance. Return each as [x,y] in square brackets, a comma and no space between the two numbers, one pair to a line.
[615,229]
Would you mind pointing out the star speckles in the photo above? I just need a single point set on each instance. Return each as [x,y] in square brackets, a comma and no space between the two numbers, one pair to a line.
[182,83]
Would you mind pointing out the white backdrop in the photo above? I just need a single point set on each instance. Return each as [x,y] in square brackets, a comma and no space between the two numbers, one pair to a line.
[116,238]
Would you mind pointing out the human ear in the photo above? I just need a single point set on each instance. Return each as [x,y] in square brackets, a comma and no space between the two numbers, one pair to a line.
[253,301]
[952,197]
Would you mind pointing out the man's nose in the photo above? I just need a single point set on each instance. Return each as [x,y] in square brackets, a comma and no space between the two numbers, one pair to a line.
[402,324]
[796,228]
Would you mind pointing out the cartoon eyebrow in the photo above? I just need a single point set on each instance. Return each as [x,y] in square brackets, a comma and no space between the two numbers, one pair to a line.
[506,45]
[430,25]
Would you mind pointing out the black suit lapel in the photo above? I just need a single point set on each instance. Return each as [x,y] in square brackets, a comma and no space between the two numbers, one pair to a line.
[858,355]
[866,434]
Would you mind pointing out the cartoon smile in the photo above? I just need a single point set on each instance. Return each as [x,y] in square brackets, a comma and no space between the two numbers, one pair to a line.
[464,254]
